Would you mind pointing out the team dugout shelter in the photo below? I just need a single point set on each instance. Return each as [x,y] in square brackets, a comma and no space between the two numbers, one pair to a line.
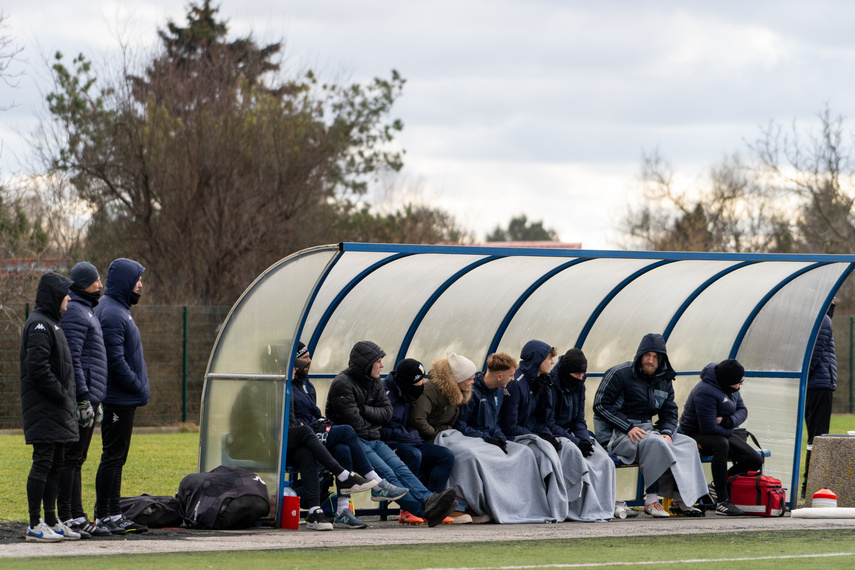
[423,302]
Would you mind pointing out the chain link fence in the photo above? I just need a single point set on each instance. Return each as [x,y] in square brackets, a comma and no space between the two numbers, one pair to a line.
[177,343]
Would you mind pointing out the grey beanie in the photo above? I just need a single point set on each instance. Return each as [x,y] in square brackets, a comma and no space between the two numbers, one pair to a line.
[83,275]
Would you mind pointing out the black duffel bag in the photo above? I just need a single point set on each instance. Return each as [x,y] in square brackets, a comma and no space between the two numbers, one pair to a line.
[152,510]
[225,498]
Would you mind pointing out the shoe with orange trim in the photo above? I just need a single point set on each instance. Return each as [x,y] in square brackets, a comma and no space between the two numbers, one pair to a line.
[407,517]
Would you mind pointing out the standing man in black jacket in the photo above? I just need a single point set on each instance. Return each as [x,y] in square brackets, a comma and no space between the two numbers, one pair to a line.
[48,406]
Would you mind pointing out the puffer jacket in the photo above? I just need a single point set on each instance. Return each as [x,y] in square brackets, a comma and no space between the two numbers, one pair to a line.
[516,416]
[86,342]
[708,401]
[48,395]
[626,397]
[439,405]
[355,398]
[127,376]
[823,361]
[568,409]
[398,429]
[479,417]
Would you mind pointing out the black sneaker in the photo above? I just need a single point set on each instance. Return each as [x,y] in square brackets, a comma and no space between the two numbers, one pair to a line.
[680,509]
[355,484]
[317,520]
[440,505]
[111,526]
[711,492]
[131,526]
[79,529]
[93,529]
[728,509]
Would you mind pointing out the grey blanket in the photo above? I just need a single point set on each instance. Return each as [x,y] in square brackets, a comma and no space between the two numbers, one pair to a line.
[557,471]
[592,499]
[676,466]
[509,487]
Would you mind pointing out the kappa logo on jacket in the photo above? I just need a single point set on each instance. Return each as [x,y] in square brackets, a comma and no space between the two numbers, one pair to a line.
[55,327]
[725,400]
[40,327]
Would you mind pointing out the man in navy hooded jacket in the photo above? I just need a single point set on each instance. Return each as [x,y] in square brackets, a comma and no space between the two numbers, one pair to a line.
[127,389]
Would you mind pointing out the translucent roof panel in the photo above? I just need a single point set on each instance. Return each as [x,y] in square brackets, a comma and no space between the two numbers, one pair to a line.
[707,330]
[425,301]
[559,309]
[778,337]
[465,318]
[268,314]
[645,305]
[382,307]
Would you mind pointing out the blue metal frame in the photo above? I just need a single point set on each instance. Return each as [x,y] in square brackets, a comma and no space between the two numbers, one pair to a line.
[322,323]
[417,321]
[509,316]
[583,334]
[696,293]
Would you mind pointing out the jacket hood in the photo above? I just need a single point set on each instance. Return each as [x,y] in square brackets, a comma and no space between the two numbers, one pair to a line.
[708,375]
[122,277]
[440,375]
[652,342]
[363,355]
[532,356]
[52,289]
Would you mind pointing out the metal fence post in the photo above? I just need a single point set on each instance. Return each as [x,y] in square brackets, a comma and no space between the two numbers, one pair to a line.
[184,370]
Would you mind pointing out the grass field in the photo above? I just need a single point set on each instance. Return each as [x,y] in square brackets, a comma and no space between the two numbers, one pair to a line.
[156,464]
[794,549]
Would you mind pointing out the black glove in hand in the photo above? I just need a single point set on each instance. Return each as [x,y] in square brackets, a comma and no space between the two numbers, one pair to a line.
[552,440]
[586,447]
[500,443]
[726,422]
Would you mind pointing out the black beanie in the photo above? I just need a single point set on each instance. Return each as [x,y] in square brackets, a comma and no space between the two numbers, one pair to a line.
[729,372]
[83,275]
[574,361]
[409,371]
[301,350]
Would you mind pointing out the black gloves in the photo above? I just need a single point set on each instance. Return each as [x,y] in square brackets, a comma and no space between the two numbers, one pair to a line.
[726,422]
[500,443]
[551,439]
[586,447]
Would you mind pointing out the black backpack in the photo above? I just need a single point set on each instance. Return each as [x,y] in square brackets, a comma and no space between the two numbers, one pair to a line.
[152,511]
[225,498]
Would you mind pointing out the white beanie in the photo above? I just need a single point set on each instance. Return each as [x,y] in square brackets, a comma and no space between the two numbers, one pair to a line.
[461,367]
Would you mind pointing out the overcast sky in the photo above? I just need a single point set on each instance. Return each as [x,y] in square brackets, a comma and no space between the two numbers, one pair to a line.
[541,107]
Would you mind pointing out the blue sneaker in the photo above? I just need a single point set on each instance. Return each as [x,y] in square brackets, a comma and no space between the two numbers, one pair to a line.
[349,520]
[66,533]
[385,491]
[42,533]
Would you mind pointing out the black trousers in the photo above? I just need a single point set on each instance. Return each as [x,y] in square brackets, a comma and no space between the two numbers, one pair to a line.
[305,452]
[43,481]
[744,457]
[70,499]
[116,429]
[818,405]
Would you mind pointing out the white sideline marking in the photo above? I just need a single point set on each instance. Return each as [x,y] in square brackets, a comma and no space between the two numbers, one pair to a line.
[636,563]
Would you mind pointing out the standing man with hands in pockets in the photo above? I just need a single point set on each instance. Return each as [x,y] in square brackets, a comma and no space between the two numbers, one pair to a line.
[127,389]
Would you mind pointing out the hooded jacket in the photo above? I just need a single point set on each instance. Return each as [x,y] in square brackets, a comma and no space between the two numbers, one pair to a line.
[708,401]
[355,398]
[398,429]
[48,395]
[517,414]
[479,417]
[127,376]
[627,397]
[568,410]
[86,342]
[823,361]
[439,405]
